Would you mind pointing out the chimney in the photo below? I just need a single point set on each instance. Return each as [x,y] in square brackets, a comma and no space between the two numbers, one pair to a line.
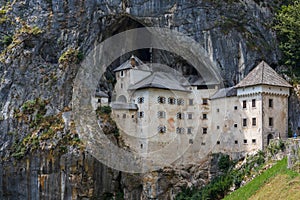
[132,61]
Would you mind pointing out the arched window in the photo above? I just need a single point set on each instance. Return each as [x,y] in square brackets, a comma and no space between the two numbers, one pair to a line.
[122,99]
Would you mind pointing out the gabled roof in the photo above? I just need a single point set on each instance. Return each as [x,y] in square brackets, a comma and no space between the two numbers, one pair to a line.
[161,80]
[263,74]
[225,92]
[127,64]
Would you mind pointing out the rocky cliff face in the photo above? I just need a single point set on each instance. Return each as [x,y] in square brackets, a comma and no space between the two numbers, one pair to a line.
[42,44]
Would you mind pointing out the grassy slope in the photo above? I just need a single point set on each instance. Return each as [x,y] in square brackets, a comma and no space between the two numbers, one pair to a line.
[275,183]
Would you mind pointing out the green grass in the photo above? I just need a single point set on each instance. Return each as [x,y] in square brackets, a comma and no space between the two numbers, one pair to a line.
[245,192]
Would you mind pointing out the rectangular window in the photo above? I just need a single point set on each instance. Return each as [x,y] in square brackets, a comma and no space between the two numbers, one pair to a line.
[179,130]
[161,114]
[271,121]
[204,130]
[236,142]
[161,100]
[191,102]
[124,115]
[253,141]
[191,141]
[235,107]
[204,116]
[218,142]
[171,100]
[189,130]
[180,102]
[190,116]
[161,129]
[218,127]
[245,141]
[202,143]
[235,125]
[180,115]
[244,122]
[244,104]
[121,85]
[140,100]
[205,101]
[122,74]
[218,110]
[141,114]
[253,103]
[253,121]
[270,103]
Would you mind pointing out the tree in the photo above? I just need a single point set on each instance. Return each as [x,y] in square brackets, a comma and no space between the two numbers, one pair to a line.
[288,33]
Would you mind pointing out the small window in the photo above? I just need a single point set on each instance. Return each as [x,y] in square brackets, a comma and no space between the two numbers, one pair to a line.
[244,122]
[244,104]
[171,100]
[218,110]
[161,129]
[218,127]
[122,74]
[132,116]
[270,121]
[191,141]
[140,100]
[191,102]
[161,114]
[190,116]
[270,103]
[253,103]
[218,142]
[141,146]
[253,141]
[141,114]
[189,130]
[202,143]
[121,85]
[205,101]
[245,141]
[236,142]
[99,100]
[204,130]
[180,115]
[179,130]
[253,121]
[235,107]
[180,102]
[204,116]
[124,115]
[235,125]
[118,116]
[161,100]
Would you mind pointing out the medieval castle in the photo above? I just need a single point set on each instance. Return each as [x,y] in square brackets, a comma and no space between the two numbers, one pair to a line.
[159,109]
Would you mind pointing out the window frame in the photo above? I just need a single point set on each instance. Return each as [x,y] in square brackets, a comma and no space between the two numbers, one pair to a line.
[171,100]
[271,103]
[161,129]
[253,103]
[204,101]
[161,99]
[244,122]
[204,130]
[244,104]
[140,100]
[254,122]
[271,121]
[161,114]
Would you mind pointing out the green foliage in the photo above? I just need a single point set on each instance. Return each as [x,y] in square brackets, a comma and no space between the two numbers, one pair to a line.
[103,110]
[6,40]
[288,32]
[220,186]
[71,56]
[224,163]
[252,187]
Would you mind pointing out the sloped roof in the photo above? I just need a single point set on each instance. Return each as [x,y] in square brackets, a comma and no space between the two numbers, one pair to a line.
[225,92]
[124,106]
[263,74]
[101,94]
[127,64]
[161,80]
